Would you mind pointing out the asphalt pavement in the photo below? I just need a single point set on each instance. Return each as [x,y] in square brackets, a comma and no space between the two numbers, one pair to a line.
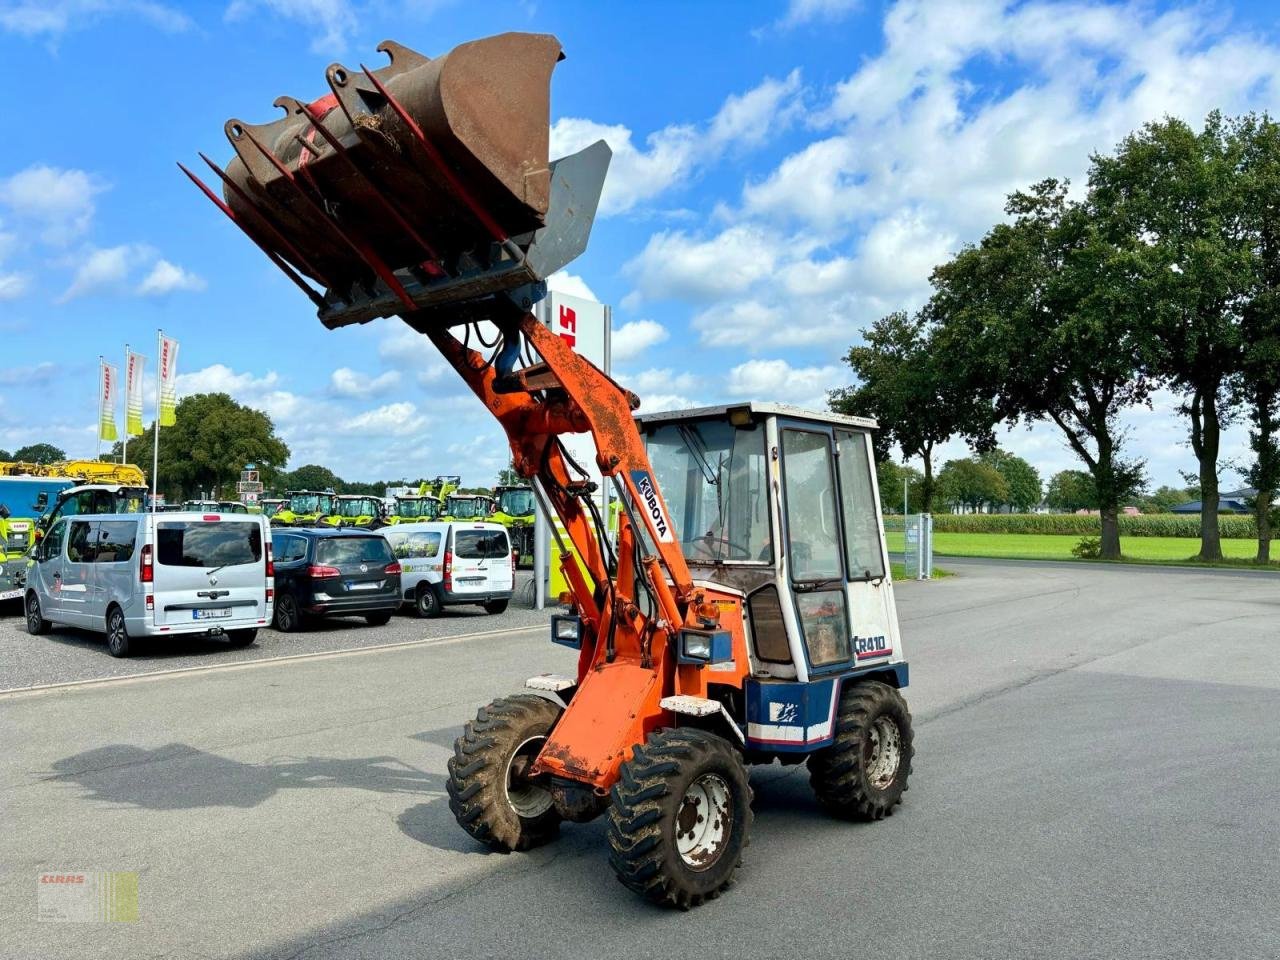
[1096,776]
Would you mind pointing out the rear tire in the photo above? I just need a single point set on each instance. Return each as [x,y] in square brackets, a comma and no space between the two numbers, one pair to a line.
[378,619]
[496,606]
[287,618]
[489,794]
[117,635]
[241,638]
[863,774]
[680,817]
[426,603]
[36,623]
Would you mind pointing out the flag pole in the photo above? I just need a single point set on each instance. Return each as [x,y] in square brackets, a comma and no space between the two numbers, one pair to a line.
[155,429]
[124,450]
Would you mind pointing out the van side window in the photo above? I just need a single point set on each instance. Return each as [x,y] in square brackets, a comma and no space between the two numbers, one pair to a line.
[116,540]
[53,542]
[419,544]
[80,545]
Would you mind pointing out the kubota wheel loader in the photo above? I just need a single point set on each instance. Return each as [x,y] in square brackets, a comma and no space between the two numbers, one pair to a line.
[745,612]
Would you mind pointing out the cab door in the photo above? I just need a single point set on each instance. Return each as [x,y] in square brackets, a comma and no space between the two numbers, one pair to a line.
[815,558]
[78,574]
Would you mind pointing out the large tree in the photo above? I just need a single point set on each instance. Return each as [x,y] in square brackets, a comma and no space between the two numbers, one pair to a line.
[312,476]
[1071,490]
[1020,477]
[208,446]
[906,384]
[890,478]
[1258,383]
[39,453]
[971,483]
[1042,316]
[1173,197]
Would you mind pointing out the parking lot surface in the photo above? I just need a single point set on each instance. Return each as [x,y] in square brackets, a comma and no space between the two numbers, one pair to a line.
[1095,776]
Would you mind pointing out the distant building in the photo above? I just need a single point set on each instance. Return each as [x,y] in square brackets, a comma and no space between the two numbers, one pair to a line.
[1238,501]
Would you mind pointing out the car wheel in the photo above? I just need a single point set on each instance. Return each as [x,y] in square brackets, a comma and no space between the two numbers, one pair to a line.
[241,638]
[287,619]
[378,619]
[496,606]
[36,623]
[117,635]
[427,602]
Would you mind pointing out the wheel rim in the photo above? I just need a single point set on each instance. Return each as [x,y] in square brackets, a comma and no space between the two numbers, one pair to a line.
[285,613]
[115,631]
[33,613]
[527,799]
[704,821]
[883,752]
[426,601]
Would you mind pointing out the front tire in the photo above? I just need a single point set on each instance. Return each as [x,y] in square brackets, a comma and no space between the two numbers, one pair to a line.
[378,619]
[36,623]
[496,606]
[241,638]
[117,635]
[863,774]
[680,817]
[490,794]
[426,603]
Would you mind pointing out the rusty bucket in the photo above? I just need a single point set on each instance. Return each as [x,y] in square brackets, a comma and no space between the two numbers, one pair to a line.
[423,187]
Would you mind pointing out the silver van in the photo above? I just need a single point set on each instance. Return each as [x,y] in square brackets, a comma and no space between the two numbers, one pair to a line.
[445,563]
[151,575]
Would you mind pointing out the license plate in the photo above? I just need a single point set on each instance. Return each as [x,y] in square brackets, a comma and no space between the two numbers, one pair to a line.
[471,579]
[213,613]
[10,594]
[363,586]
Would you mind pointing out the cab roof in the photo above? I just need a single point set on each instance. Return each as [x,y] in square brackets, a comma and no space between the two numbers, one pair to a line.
[758,409]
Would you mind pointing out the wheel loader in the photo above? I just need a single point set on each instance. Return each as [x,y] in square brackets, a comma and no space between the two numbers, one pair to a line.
[515,511]
[743,614]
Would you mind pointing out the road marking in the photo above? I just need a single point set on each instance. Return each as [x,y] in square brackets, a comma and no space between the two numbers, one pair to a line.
[18,692]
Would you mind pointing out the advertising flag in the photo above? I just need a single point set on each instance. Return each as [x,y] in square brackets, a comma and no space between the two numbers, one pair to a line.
[133,394]
[168,381]
[107,404]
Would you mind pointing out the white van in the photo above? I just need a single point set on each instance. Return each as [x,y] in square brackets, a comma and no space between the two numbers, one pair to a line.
[452,563]
[132,575]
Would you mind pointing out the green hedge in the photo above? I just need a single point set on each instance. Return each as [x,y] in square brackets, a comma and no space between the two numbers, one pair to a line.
[1232,526]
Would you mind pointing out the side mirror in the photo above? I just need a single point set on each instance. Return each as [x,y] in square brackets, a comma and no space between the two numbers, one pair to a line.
[4,512]
[42,501]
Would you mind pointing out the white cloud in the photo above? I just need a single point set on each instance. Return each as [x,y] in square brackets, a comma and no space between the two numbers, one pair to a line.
[675,265]
[671,156]
[105,269]
[166,277]
[349,383]
[219,378]
[570,283]
[809,11]
[13,285]
[779,381]
[58,202]
[27,376]
[329,21]
[51,18]
[391,418]
[635,337]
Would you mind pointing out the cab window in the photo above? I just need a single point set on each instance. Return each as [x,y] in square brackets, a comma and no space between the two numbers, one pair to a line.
[116,540]
[80,543]
[813,533]
[863,557]
[52,546]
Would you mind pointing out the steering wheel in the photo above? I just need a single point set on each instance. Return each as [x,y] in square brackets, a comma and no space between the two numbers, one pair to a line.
[745,551]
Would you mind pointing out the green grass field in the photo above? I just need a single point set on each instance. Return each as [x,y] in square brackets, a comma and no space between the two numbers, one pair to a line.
[1035,546]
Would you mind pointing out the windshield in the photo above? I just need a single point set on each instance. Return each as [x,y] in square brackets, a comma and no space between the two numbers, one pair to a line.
[311,503]
[713,478]
[418,507]
[516,503]
[362,507]
[467,508]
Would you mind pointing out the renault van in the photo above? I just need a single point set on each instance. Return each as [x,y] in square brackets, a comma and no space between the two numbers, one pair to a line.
[153,575]
[444,563]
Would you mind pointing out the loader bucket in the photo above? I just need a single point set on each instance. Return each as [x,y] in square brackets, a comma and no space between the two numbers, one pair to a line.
[422,187]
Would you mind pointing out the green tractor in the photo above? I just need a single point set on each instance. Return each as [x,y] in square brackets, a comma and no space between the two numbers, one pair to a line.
[426,504]
[515,512]
[468,506]
[304,508]
[355,510]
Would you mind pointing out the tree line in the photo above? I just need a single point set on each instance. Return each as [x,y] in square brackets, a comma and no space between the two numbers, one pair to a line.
[1162,274]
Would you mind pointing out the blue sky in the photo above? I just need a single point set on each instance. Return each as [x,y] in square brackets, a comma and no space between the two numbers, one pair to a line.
[784,173]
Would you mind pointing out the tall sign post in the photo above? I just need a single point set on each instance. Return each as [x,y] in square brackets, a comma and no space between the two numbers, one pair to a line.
[584,325]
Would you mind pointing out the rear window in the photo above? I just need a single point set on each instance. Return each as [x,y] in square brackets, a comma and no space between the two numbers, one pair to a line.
[211,543]
[480,544]
[420,543]
[115,540]
[339,551]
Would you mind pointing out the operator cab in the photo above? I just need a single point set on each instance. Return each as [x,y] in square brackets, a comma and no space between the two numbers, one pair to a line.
[94,498]
[779,505]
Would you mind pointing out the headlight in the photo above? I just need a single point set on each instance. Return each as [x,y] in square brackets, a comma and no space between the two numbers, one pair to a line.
[705,646]
[566,631]
[697,646]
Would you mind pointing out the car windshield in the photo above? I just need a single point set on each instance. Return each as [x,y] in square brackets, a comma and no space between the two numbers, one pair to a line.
[350,551]
[713,478]
[516,503]
[468,508]
[194,543]
[310,503]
